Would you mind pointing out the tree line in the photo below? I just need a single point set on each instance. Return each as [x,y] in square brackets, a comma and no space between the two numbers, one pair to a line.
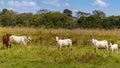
[55,19]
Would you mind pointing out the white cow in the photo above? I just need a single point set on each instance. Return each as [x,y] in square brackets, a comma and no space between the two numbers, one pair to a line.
[64,42]
[99,44]
[113,47]
[20,39]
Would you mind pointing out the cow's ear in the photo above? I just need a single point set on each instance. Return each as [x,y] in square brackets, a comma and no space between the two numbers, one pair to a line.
[10,34]
[90,36]
[27,36]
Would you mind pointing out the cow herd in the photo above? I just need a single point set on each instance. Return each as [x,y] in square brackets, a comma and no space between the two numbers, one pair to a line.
[8,39]
[109,47]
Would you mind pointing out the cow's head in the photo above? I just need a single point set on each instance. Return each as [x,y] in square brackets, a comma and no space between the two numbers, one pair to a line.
[56,38]
[29,38]
[8,34]
[90,38]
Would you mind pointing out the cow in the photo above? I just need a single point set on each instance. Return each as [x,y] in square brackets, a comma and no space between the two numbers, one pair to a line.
[98,44]
[20,39]
[6,40]
[64,42]
[113,47]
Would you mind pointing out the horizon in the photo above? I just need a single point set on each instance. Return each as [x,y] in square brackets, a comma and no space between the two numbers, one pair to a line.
[109,7]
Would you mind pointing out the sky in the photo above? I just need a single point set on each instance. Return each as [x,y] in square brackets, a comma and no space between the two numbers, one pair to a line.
[110,7]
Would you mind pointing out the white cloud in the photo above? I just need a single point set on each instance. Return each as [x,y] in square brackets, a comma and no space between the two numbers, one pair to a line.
[67,4]
[22,4]
[100,3]
[56,3]
[76,10]
[53,2]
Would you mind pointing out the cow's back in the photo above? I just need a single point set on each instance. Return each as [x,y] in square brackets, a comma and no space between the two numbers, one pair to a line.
[16,39]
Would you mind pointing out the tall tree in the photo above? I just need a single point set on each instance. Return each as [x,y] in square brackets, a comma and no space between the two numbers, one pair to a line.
[80,13]
[4,11]
[99,14]
[8,17]
[67,12]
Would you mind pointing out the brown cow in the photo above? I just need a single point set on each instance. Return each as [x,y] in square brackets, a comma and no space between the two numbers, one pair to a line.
[6,40]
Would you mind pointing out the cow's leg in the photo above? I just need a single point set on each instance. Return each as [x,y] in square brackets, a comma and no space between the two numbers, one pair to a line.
[112,50]
[95,49]
[24,42]
[60,47]
[117,51]
[70,47]
[3,45]
[7,46]
[107,49]
[10,45]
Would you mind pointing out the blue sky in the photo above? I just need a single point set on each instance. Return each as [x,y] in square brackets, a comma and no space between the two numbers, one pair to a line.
[110,7]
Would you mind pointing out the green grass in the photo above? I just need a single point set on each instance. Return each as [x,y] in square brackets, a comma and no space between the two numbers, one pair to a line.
[42,51]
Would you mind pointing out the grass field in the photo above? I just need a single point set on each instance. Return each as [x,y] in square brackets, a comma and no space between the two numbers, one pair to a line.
[42,51]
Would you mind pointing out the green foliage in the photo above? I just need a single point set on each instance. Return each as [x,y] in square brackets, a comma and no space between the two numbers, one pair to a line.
[111,22]
[80,13]
[99,14]
[49,19]
[43,19]
[67,12]
[8,18]
[89,22]
[99,20]
[24,19]
[53,20]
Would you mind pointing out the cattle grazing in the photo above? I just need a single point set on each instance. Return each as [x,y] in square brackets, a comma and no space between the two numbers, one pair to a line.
[64,42]
[98,44]
[6,40]
[20,39]
[113,47]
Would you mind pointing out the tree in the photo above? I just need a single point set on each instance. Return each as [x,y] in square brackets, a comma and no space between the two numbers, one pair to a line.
[111,22]
[99,17]
[4,11]
[94,20]
[53,20]
[67,12]
[24,19]
[99,14]
[8,17]
[36,20]
[80,13]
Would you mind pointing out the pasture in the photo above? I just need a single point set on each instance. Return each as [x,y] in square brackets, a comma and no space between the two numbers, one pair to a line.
[42,52]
